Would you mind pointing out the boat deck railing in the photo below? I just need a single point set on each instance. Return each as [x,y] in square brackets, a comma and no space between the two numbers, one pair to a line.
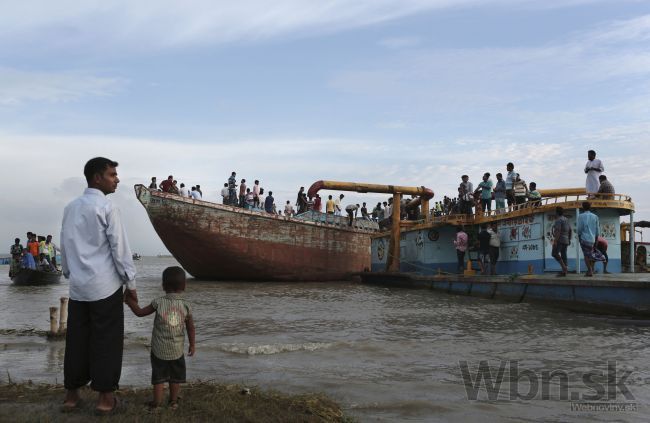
[334,220]
[620,201]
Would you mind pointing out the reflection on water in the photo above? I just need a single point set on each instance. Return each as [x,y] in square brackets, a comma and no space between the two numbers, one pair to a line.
[382,353]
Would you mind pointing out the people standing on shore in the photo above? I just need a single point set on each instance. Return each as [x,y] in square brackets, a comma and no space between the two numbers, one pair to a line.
[593,169]
[461,246]
[561,239]
[97,260]
[511,177]
[173,319]
[588,225]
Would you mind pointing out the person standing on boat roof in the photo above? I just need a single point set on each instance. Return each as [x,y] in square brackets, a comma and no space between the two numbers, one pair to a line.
[232,186]
[561,239]
[593,169]
[511,177]
[249,199]
[330,207]
[288,209]
[269,201]
[461,246]
[486,193]
[98,262]
[224,194]
[318,203]
[588,225]
[242,192]
[605,188]
[521,191]
[256,194]
[337,205]
[465,191]
[500,194]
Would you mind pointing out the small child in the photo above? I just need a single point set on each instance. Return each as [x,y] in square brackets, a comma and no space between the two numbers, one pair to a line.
[173,316]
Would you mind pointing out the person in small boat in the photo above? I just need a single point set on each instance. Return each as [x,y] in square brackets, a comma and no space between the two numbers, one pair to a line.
[32,246]
[28,261]
[16,248]
[588,225]
[51,250]
[44,264]
[561,239]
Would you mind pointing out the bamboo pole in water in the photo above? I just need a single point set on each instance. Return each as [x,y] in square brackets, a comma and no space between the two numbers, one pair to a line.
[63,319]
[54,324]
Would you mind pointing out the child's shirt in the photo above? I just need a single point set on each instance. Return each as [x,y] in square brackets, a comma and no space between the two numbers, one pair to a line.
[167,339]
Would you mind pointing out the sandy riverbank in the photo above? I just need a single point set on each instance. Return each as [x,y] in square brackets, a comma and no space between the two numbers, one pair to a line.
[201,402]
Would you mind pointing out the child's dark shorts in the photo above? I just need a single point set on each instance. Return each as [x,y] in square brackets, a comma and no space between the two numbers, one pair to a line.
[172,371]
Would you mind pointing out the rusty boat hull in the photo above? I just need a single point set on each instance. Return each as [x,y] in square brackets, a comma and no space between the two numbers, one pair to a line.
[221,242]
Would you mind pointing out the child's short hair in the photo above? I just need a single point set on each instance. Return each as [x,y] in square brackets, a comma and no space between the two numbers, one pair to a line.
[173,279]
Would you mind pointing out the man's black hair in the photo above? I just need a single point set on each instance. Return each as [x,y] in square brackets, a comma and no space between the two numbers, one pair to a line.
[270,192]
[464,176]
[586,205]
[173,278]
[602,178]
[591,152]
[17,240]
[559,211]
[97,165]
[499,174]
[510,164]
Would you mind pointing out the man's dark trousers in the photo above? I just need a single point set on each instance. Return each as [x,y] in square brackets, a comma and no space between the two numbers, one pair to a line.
[94,343]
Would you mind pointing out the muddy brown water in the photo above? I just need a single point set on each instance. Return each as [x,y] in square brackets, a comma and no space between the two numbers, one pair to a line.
[383,354]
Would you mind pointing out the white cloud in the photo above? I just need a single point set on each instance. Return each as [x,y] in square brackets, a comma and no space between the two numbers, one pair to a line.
[399,42]
[17,86]
[165,23]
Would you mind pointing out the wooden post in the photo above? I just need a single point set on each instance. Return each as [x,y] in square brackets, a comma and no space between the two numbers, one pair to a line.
[63,319]
[392,263]
[54,324]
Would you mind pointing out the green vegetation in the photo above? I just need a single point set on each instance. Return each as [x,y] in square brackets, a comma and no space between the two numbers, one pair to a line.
[200,402]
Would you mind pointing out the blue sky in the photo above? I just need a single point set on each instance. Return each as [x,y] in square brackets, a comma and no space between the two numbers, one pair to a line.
[385,91]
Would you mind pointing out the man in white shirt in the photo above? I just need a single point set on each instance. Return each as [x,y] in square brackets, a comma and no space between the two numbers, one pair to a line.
[337,205]
[195,194]
[288,209]
[593,169]
[184,191]
[97,260]
[224,193]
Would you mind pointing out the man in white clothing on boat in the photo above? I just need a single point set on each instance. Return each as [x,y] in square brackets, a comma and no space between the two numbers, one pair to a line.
[593,169]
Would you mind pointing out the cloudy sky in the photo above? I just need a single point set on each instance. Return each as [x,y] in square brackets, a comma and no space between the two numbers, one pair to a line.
[409,92]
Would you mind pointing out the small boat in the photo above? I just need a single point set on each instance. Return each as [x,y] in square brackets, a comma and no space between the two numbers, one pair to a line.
[136,256]
[35,277]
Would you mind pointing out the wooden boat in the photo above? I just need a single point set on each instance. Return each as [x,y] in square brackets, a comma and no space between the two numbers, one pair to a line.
[35,277]
[222,242]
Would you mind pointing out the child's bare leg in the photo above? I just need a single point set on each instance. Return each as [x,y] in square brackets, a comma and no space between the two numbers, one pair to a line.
[174,390]
[158,392]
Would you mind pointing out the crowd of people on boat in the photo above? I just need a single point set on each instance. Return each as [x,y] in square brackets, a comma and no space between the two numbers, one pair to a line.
[39,253]
[507,193]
